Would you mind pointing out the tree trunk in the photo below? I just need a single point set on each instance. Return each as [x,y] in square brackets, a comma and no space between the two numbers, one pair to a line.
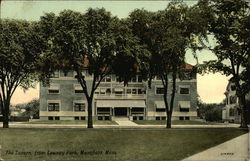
[169,116]
[244,113]
[6,113]
[90,118]
[5,123]
[168,122]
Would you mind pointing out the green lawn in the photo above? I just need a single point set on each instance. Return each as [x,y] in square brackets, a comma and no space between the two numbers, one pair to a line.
[174,122]
[142,122]
[78,122]
[109,144]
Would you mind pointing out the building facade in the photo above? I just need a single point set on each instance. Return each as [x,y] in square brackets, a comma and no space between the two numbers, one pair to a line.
[64,99]
[231,112]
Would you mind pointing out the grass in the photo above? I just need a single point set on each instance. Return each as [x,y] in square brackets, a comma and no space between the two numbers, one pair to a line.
[174,122]
[140,122]
[69,122]
[109,144]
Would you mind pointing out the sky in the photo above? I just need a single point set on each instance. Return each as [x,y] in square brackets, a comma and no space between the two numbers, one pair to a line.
[211,87]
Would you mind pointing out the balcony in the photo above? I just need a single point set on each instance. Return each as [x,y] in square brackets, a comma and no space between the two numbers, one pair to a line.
[120,96]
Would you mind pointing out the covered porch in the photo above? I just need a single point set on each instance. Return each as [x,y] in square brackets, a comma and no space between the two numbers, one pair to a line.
[120,108]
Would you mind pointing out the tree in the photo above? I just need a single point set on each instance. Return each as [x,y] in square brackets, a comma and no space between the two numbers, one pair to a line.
[228,22]
[210,112]
[167,35]
[89,42]
[18,60]
[32,109]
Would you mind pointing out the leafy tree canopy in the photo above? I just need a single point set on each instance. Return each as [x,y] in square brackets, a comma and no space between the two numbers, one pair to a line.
[20,51]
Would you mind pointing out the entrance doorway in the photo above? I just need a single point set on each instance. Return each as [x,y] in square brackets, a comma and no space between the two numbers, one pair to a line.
[121,111]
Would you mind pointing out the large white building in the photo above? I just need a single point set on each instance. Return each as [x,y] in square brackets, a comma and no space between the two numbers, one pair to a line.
[64,98]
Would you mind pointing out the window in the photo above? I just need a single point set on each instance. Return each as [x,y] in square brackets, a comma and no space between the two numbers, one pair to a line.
[53,106]
[118,91]
[184,109]
[184,90]
[129,91]
[79,107]
[108,78]
[134,118]
[103,110]
[233,87]
[139,91]
[53,88]
[139,78]
[232,99]
[108,91]
[159,90]
[80,118]
[53,118]
[140,117]
[160,118]
[53,91]
[187,76]
[78,91]
[184,106]
[78,88]
[231,112]
[99,118]
[187,118]
[106,118]
[134,91]
[97,91]
[83,74]
[137,110]
[117,79]
[55,74]
[102,91]
[181,118]
[133,79]
[160,109]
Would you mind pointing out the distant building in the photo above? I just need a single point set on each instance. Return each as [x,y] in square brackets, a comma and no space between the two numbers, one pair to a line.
[64,98]
[232,112]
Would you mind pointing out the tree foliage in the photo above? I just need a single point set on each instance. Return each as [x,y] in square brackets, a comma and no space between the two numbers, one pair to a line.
[228,22]
[167,35]
[94,41]
[19,57]
[210,112]
[31,109]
